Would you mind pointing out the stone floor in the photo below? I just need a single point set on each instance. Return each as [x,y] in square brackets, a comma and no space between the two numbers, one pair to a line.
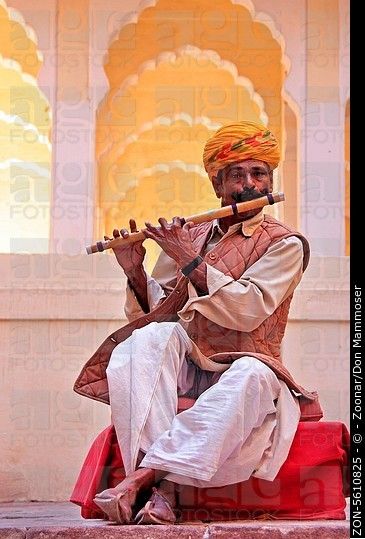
[48,520]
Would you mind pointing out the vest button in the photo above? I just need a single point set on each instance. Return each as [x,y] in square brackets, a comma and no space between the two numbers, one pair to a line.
[212,256]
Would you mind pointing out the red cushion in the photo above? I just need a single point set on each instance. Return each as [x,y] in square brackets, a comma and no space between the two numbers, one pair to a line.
[311,484]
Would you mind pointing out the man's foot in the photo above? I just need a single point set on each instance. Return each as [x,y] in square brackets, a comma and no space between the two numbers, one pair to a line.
[118,502]
[160,507]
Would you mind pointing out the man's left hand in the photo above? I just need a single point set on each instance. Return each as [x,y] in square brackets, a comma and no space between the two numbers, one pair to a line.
[174,239]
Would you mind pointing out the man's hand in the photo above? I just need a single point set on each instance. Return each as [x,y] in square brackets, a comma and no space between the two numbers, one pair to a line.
[131,255]
[174,239]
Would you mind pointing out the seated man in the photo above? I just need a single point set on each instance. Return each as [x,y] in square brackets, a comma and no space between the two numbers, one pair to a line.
[228,286]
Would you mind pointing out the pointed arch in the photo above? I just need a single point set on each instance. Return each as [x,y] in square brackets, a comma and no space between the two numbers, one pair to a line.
[186,81]
[229,58]
[249,41]
[141,145]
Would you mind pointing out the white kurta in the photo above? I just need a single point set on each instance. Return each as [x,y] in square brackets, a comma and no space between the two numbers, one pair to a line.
[242,425]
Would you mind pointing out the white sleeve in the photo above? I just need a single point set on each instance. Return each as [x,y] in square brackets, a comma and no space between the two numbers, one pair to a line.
[244,304]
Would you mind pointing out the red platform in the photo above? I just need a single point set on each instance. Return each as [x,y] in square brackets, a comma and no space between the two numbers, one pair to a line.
[311,484]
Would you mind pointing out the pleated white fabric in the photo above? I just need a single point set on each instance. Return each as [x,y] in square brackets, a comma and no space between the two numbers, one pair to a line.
[242,425]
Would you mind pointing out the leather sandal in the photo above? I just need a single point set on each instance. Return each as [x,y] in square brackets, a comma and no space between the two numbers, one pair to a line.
[116,505]
[157,510]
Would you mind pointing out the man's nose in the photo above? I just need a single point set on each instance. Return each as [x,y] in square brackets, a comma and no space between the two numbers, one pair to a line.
[247,180]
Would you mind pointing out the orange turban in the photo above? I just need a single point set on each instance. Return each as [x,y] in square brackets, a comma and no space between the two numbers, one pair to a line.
[237,142]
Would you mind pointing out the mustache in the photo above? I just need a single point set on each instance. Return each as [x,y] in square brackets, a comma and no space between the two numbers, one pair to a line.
[248,194]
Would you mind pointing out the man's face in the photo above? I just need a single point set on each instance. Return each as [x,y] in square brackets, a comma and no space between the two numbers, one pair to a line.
[243,181]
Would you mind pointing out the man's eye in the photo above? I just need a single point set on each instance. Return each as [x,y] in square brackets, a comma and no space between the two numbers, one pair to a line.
[254,174]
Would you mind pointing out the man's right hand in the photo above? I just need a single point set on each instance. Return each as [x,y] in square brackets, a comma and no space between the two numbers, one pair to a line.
[131,255]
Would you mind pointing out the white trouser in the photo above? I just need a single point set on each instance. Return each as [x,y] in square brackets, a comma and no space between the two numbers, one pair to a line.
[244,424]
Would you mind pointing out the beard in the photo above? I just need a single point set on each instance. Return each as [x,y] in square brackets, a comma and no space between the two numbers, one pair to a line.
[248,194]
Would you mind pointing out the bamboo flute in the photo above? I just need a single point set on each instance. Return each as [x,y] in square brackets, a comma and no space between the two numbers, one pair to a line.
[218,213]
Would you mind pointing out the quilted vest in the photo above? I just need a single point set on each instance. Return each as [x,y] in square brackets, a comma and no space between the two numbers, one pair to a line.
[232,255]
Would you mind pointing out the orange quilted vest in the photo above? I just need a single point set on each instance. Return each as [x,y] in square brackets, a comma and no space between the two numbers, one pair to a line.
[233,256]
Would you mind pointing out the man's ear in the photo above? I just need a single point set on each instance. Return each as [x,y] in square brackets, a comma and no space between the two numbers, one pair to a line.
[217,183]
[271,175]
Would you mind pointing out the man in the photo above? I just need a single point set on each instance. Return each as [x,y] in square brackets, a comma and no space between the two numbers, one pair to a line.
[227,288]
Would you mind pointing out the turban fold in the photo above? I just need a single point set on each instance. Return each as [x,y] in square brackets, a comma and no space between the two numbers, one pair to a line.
[237,142]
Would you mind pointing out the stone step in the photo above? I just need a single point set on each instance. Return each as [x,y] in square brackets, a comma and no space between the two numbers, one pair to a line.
[48,520]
